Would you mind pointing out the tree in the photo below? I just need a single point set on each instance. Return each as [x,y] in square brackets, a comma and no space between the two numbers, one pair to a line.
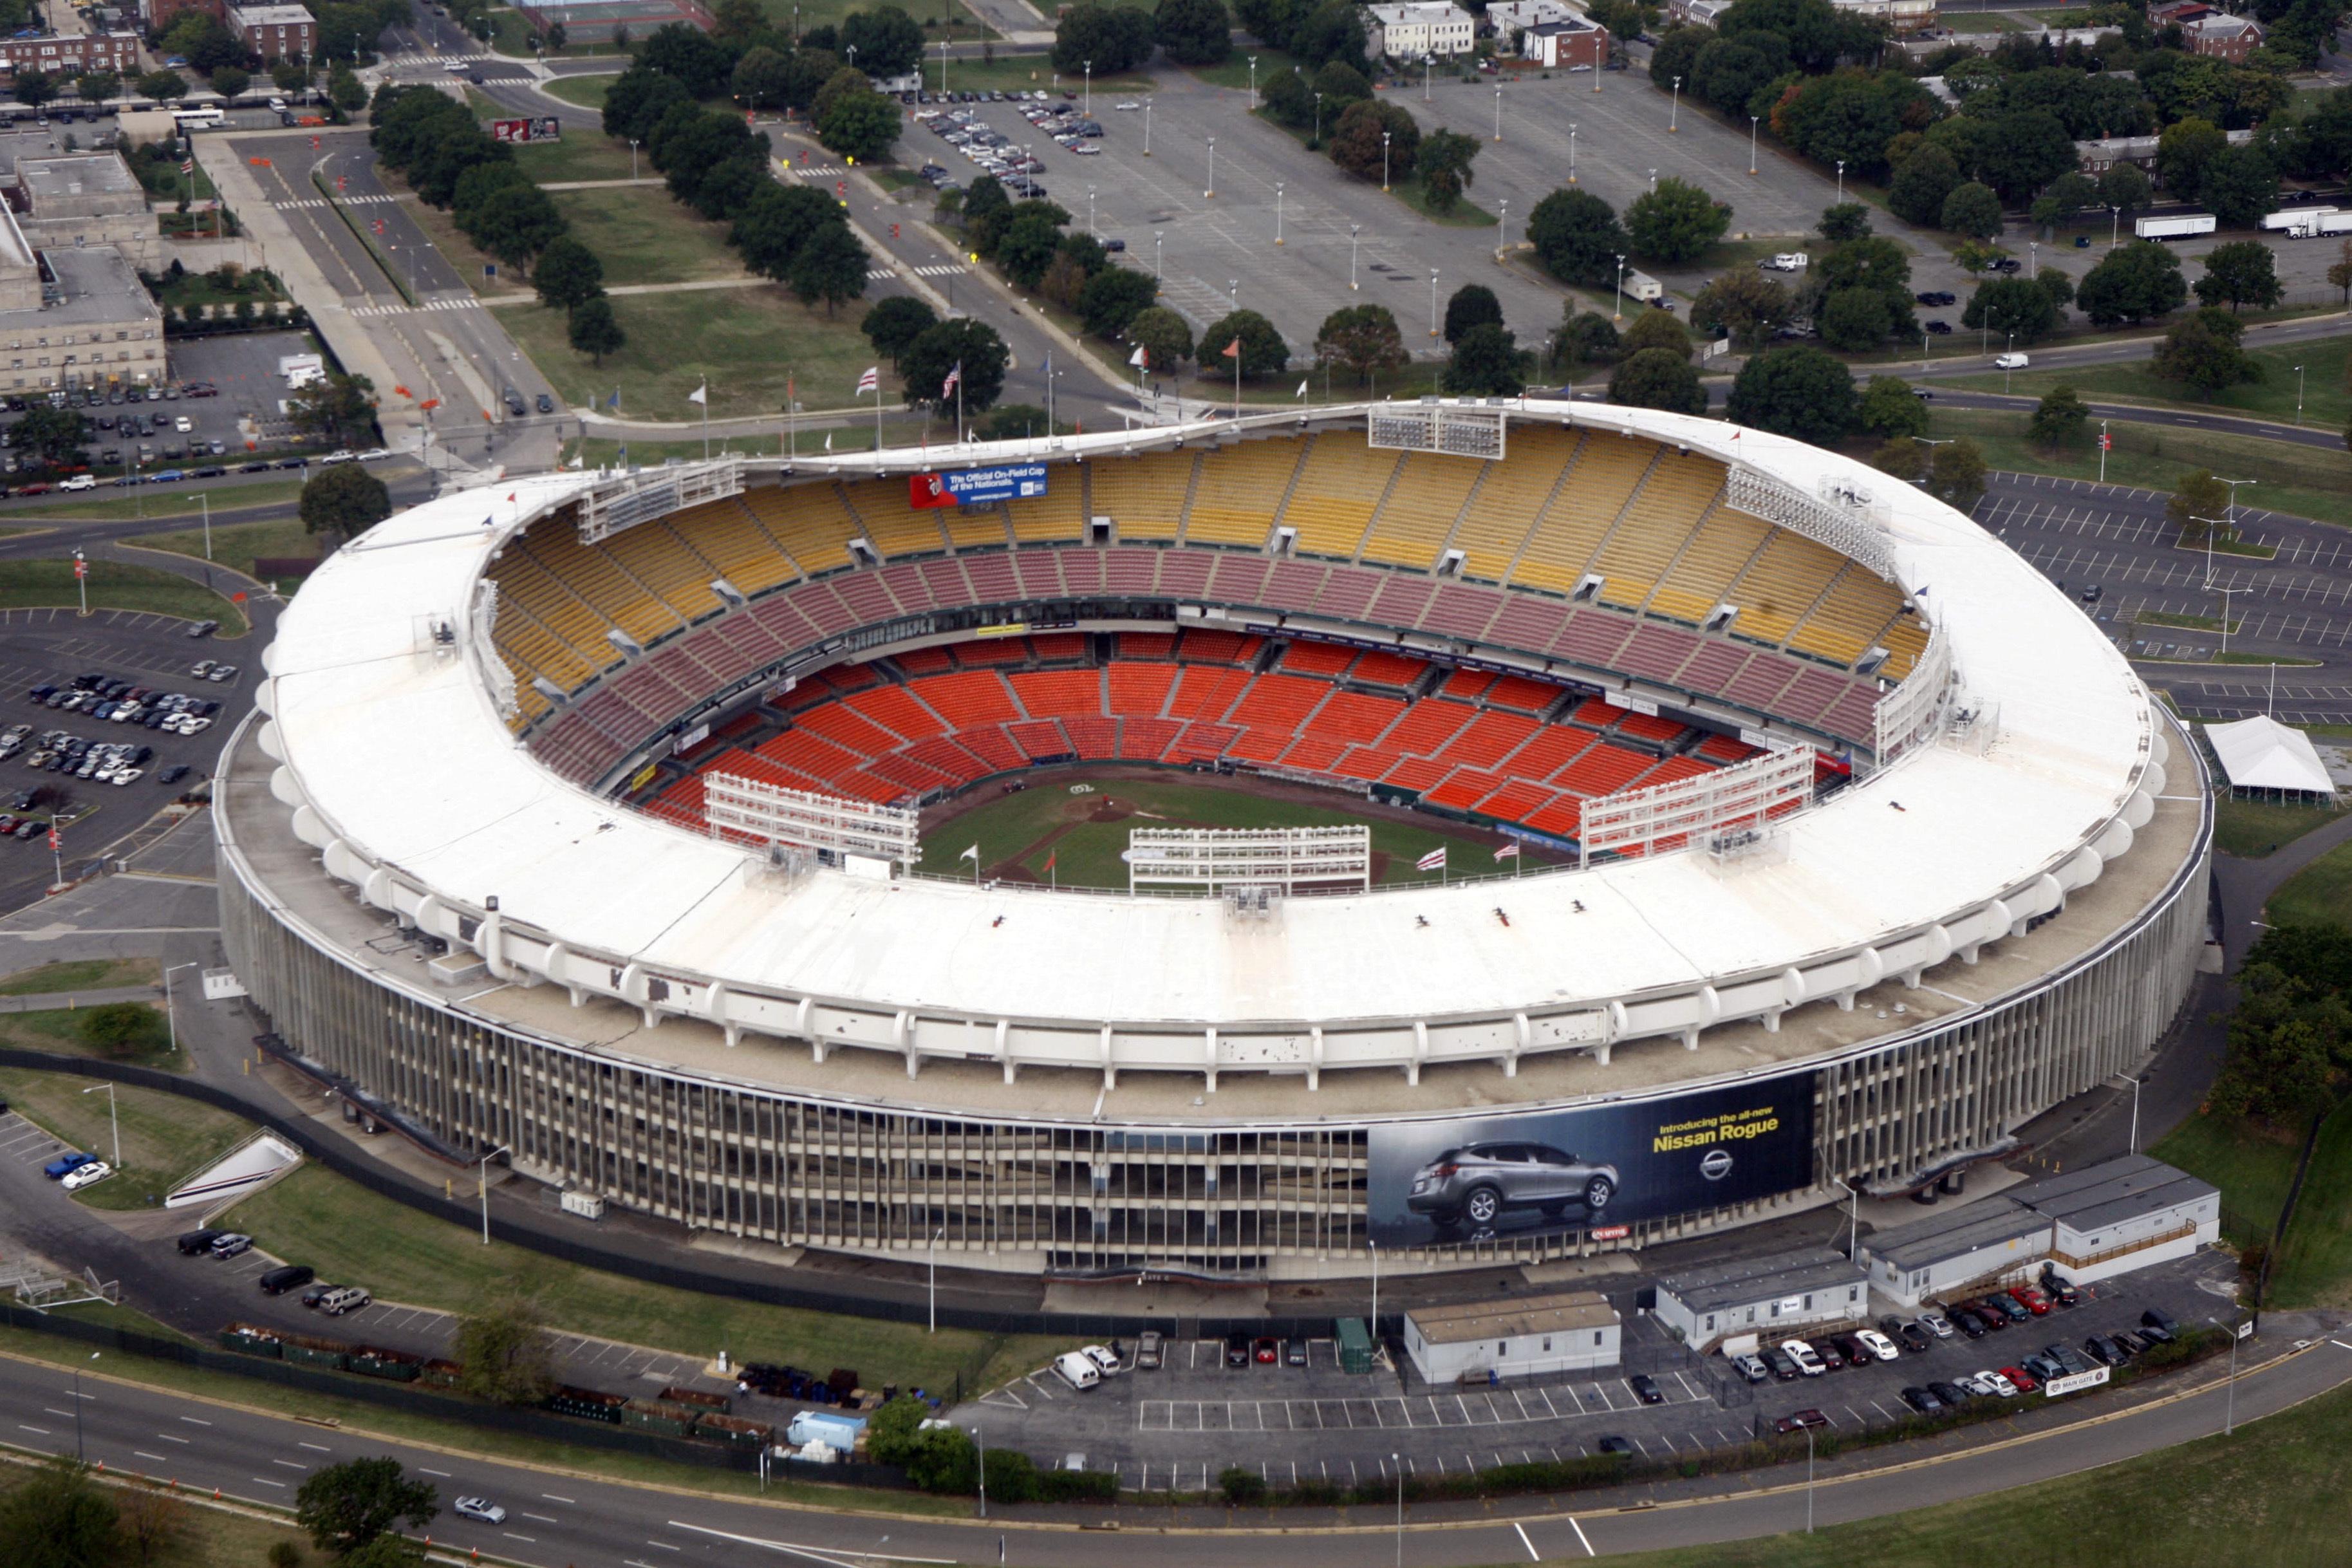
[1657,330]
[594,331]
[152,1524]
[2243,272]
[58,1517]
[2339,272]
[2053,281]
[1162,335]
[1583,337]
[637,101]
[2182,152]
[516,223]
[162,86]
[1746,304]
[2197,499]
[1576,237]
[231,81]
[2238,185]
[339,409]
[1800,391]
[860,124]
[772,227]
[831,267]
[342,502]
[762,79]
[895,323]
[1193,32]
[1845,221]
[698,61]
[1854,320]
[2024,151]
[96,86]
[504,1348]
[885,41]
[1363,341]
[346,1506]
[1115,37]
[2124,187]
[1333,31]
[2202,350]
[1356,143]
[1890,409]
[2012,307]
[1486,363]
[1445,159]
[56,436]
[1263,352]
[1469,305]
[1904,457]
[2137,280]
[1675,221]
[1114,297]
[1955,474]
[1876,263]
[35,88]
[567,274]
[973,344]
[1927,179]
[2060,416]
[1031,239]
[1287,98]
[1973,210]
[345,90]
[1658,378]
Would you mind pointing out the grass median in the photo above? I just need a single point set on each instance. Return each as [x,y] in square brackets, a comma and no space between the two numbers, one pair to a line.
[166,502]
[237,545]
[58,1029]
[2325,398]
[351,1235]
[111,585]
[587,92]
[199,1535]
[80,974]
[642,236]
[165,1138]
[2321,894]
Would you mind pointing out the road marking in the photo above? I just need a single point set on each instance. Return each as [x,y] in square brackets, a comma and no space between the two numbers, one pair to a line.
[541,1517]
[822,1554]
[322,1447]
[42,1430]
[553,1497]
[46,1410]
[1533,1555]
[1580,1536]
[265,1481]
[443,1474]
[665,1545]
[289,1464]
[510,1535]
[142,1454]
[195,1421]
[167,1437]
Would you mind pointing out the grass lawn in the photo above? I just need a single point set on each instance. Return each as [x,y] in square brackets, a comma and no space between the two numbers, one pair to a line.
[1015,832]
[203,1537]
[1236,72]
[2253,1165]
[198,289]
[587,92]
[1027,73]
[1464,214]
[1978,21]
[2252,828]
[166,1138]
[58,1030]
[238,544]
[2320,894]
[2315,1265]
[2326,405]
[174,501]
[80,974]
[2273,1494]
[585,153]
[642,236]
[114,587]
[745,342]
[2307,481]
[346,1232]
[357,1418]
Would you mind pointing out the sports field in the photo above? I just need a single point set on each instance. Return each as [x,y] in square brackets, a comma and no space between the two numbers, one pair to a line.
[1081,817]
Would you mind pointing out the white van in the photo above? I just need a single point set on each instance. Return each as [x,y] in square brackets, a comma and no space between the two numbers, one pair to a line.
[1079,1370]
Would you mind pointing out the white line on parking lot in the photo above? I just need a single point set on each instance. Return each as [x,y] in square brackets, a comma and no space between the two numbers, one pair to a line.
[1580,1537]
[1533,1555]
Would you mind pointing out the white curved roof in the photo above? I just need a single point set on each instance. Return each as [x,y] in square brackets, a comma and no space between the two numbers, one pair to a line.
[411,782]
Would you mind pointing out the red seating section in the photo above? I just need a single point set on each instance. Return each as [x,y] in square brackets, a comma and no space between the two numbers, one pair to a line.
[961,714]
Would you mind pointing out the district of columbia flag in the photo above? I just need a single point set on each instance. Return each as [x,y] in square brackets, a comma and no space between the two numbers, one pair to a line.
[1432,861]
[1509,852]
[971,855]
[700,394]
[871,381]
[1138,359]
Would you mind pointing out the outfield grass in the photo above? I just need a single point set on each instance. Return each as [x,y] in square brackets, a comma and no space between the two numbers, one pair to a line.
[114,587]
[1978,21]
[642,236]
[587,92]
[2305,481]
[2318,894]
[2326,405]
[81,975]
[2275,1493]
[2252,828]
[172,502]
[1016,832]
[166,1138]
[238,544]
[2253,1165]
[746,344]
[349,1234]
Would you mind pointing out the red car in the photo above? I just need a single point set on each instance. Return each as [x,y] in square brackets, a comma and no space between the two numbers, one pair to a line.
[1268,1352]
[2033,1301]
[1800,1421]
[2026,1382]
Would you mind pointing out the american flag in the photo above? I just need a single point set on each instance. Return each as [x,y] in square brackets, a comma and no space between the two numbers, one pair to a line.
[955,378]
[871,381]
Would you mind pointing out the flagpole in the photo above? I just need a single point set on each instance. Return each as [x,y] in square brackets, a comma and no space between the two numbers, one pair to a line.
[877,425]
[959,402]
[706,423]
[792,423]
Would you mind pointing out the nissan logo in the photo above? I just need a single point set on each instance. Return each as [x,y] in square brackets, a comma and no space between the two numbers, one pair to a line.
[1716,1166]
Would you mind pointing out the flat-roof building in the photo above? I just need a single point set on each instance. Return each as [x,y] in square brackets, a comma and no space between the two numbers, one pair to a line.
[1407,32]
[90,322]
[87,199]
[1778,1294]
[1568,1331]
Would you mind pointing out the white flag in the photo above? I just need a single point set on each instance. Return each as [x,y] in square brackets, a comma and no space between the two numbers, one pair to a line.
[1432,861]
[871,381]
[1138,359]
[828,440]
[971,855]
[1302,389]
[1509,852]
[700,394]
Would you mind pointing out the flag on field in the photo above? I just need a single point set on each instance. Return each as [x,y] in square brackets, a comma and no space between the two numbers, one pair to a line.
[1138,359]
[1231,350]
[700,394]
[871,381]
[1509,852]
[954,380]
[971,855]
[1432,861]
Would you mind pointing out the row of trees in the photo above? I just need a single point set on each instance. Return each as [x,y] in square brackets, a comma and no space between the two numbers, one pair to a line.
[1577,235]
[850,117]
[882,42]
[1113,38]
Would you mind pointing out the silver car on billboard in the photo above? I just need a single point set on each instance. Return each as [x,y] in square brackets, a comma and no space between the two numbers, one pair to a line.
[1477,1184]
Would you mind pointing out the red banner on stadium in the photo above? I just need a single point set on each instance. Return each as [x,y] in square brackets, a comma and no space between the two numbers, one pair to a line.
[928,491]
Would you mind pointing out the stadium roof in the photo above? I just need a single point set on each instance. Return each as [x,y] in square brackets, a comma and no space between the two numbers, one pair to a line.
[2261,753]
[404,772]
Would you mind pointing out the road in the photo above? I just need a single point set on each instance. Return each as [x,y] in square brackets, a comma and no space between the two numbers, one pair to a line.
[558,1519]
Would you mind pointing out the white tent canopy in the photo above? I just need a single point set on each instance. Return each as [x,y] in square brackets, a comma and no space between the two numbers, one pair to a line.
[2263,753]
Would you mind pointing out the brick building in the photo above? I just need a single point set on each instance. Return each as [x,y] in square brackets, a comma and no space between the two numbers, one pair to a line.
[71,55]
[274,32]
[2231,38]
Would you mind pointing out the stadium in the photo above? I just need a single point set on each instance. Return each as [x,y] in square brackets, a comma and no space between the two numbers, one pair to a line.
[1792,835]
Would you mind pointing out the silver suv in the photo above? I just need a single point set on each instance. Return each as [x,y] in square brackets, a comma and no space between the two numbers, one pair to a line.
[1478,1181]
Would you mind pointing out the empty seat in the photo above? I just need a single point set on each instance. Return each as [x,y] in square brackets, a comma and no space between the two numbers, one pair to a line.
[895,527]
[1491,533]
[1412,524]
[1143,496]
[1339,486]
[1717,552]
[1656,525]
[808,519]
[1583,510]
[1234,498]
[1781,584]
[1849,617]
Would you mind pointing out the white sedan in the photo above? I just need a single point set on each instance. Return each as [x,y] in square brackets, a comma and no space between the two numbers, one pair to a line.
[82,1176]
[479,1508]
[1878,1344]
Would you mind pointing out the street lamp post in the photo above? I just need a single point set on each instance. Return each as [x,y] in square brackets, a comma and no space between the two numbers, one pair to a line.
[1808,1480]
[633,158]
[1091,212]
[1654,179]
[2103,451]
[2298,394]
[1753,121]
[2230,1400]
[1089,90]
[1841,195]
[943,1230]
[1675,113]
[78,1454]
[1354,230]
[171,1021]
[482,1177]
[1571,152]
[1375,1248]
[1317,139]
[2010,347]
[1253,60]
[1213,170]
[112,1120]
[1155,256]
[1619,314]
[1384,161]
[2115,226]
[1147,128]
[1499,114]
[1503,219]
[1278,212]
[1426,62]
[1432,301]
[1399,1463]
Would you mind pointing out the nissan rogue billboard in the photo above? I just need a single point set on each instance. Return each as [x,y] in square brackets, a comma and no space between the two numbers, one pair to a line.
[1501,1177]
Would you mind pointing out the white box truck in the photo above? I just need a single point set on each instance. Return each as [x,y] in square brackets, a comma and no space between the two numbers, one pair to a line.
[2295,219]
[1641,285]
[2311,226]
[2179,227]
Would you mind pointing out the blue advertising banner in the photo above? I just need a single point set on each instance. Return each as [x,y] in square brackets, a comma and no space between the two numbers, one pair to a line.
[978,487]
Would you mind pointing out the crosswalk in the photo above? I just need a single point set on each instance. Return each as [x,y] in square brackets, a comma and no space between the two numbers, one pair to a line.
[311,204]
[413,310]
[942,271]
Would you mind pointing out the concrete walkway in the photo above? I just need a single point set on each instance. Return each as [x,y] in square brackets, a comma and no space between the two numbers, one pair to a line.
[2246,886]
[57,1000]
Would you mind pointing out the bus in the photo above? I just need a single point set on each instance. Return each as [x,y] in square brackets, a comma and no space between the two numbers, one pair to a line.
[196,119]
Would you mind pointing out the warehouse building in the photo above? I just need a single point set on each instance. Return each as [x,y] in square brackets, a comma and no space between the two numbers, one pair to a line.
[1998,1239]
[1776,1294]
[1570,1330]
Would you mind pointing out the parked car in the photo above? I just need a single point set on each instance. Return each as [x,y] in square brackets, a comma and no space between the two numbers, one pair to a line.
[1645,1388]
[1800,1421]
[1237,1349]
[1266,1350]
[2104,1350]
[1147,1350]
[1102,1356]
[1750,1367]
[1920,1400]
[277,1282]
[65,1166]
[1293,1353]
[231,1245]
[1807,1359]
[1612,1444]
[1877,1344]
[87,1175]
[2020,1379]
[1782,1367]
[1951,1393]
[316,1291]
[1935,1325]
[2034,1300]
[2155,1333]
